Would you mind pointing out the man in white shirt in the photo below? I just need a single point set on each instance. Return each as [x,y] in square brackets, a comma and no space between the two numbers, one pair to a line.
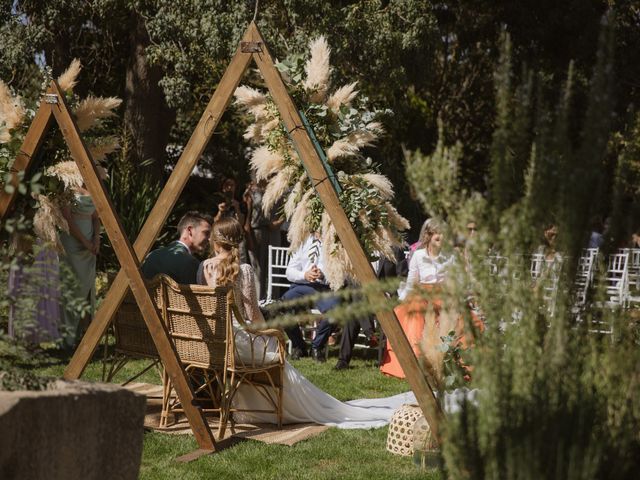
[305,272]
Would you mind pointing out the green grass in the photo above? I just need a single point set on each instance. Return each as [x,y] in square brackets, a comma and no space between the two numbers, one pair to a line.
[350,454]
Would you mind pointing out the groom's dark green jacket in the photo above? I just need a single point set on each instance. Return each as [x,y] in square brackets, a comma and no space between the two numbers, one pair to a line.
[174,260]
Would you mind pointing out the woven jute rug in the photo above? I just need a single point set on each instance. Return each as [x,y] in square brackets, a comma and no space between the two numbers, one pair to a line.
[267,433]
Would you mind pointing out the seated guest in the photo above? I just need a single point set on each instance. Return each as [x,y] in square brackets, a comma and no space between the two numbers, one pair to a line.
[427,270]
[305,272]
[384,269]
[176,259]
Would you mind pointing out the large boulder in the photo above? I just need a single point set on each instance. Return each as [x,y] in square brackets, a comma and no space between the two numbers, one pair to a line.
[72,430]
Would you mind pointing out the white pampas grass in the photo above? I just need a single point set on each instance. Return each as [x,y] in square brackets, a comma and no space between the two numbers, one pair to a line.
[68,173]
[248,97]
[69,77]
[341,149]
[380,183]
[362,138]
[318,70]
[298,228]
[265,162]
[11,112]
[92,109]
[47,219]
[336,262]
[294,197]
[342,96]
[276,189]
[104,147]
[398,221]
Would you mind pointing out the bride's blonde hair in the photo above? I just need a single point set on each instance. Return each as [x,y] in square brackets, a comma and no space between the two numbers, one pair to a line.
[227,234]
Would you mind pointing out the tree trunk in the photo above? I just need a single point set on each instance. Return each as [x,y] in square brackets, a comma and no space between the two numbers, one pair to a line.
[147,118]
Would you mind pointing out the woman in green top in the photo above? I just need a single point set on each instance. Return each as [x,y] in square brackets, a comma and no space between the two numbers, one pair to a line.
[81,246]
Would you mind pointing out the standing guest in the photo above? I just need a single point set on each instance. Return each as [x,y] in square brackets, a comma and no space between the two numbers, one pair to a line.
[34,312]
[177,259]
[305,272]
[261,230]
[81,246]
[384,269]
[596,237]
[427,270]
[635,238]
[549,241]
[228,206]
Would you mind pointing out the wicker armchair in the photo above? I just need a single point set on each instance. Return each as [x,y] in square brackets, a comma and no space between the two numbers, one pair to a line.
[199,321]
[132,337]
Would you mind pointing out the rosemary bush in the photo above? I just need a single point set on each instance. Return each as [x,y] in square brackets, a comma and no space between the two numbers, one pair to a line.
[556,398]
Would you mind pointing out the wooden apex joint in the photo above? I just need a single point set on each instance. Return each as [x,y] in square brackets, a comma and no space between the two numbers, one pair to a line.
[251,47]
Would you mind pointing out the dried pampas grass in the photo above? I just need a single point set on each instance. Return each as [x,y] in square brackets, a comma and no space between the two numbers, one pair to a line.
[265,162]
[337,266]
[342,96]
[398,221]
[11,112]
[248,97]
[381,183]
[47,220]
[92,109]
[69,77]
[104,147]
[298,227]
[318,70]
[294,197]
[68,173]
[342,148]
[276,188]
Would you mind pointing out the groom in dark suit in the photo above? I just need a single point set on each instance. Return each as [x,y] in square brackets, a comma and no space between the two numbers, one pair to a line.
[176,259]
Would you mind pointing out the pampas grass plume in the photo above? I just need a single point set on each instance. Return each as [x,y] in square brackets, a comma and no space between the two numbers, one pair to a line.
[265,162]
[92,109]
[68,173]
[342,148]
[298,228]
[342,96]
[69,77]
[318,69]
[11,112]
[100,150]
[248,97]
[275,189]
[47,219]
[381,183]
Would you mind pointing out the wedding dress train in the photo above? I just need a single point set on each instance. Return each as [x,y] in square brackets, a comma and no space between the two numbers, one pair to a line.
[303,402]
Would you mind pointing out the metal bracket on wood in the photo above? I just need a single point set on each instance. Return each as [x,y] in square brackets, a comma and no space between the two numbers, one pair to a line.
[251,47]
[51,98]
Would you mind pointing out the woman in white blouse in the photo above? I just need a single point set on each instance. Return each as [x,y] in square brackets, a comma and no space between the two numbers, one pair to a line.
[427,270]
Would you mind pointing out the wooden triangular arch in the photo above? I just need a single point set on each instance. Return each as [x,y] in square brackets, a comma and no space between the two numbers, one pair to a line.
[252,47]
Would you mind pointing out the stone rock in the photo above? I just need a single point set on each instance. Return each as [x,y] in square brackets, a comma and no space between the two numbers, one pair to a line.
[74,430]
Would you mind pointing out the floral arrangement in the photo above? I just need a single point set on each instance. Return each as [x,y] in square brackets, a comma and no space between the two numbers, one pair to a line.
[343,126]
[63,178]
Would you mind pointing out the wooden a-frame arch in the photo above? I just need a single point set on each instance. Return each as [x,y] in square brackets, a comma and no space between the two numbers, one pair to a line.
[251,47]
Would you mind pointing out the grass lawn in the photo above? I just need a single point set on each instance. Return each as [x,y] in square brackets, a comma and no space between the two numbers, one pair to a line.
[351,454]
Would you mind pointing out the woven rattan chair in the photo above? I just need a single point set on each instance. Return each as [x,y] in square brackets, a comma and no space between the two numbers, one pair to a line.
[132,337]
[199,320]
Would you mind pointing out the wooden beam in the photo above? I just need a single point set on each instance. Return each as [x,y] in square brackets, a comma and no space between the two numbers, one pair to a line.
[163,207]
[130,265]
[364,271]
[30,146]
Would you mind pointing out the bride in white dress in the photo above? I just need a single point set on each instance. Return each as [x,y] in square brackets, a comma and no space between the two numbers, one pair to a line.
[303,402]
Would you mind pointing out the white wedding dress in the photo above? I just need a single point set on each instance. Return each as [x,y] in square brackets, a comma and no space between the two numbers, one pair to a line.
[303,402]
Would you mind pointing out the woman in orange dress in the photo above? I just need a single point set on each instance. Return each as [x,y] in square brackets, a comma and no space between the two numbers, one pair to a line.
[427,270]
